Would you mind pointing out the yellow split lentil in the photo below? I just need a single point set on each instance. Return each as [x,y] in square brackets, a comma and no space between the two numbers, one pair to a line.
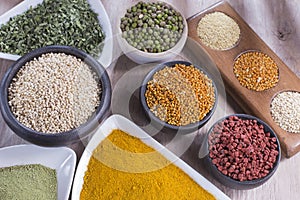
[104,182]
[180,95]
[256,71]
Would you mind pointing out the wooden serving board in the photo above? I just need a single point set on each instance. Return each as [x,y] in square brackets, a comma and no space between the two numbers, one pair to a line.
[252,102]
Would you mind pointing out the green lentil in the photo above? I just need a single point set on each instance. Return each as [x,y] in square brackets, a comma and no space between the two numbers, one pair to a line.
[27,182]
[53,22]
[152,21]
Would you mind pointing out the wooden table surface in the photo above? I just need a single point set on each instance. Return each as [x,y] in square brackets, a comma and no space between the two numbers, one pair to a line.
[277,22]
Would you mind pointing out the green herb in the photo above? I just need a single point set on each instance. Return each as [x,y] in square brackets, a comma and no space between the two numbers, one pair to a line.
[33,181]
[53,22]
[152,27]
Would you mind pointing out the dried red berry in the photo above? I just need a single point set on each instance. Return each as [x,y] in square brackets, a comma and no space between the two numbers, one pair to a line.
[241,149]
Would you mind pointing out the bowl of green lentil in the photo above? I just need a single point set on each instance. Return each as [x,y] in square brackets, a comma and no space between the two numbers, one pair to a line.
[55,95]
[151,31]
[178,96]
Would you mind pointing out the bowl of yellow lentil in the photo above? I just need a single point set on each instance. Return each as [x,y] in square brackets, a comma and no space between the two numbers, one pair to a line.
[55,95]
[178,96]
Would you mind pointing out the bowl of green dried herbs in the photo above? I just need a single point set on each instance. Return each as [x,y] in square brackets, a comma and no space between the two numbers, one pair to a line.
[55,95]
[34,24]
[152,31]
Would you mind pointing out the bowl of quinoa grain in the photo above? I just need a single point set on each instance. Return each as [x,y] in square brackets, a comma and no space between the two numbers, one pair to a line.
[151,31]
[55,95]
[178,96]
[243,151]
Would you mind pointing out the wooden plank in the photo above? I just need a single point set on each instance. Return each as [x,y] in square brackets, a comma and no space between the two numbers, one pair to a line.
[252,102]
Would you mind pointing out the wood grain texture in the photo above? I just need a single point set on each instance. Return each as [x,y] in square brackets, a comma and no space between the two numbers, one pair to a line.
[277,22]
[252,102]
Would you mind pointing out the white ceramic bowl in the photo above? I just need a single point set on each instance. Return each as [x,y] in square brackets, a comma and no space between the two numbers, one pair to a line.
[122,123]
[104,58]
[142,57]
[62,159]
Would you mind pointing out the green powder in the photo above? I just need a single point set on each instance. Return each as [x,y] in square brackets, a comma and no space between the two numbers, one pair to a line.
[27,182]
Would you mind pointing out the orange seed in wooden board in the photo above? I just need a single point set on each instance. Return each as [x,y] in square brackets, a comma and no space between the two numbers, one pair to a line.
[256,71]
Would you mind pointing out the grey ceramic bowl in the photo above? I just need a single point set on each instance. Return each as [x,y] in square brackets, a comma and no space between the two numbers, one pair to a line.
[158,123]
[230,182]
[63,138]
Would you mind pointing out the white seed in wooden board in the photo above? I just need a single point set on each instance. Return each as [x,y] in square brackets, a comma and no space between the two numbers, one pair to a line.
[285,110]
[218,31]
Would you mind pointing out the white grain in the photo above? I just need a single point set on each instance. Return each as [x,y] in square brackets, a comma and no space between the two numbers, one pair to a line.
[218,31]
[54,93]
[285,110]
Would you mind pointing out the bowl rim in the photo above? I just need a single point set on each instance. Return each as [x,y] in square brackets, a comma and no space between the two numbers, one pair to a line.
[247,182]
[185,128]
[61,138]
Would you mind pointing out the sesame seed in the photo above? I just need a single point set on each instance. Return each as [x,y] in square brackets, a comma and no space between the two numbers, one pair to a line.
[218,31]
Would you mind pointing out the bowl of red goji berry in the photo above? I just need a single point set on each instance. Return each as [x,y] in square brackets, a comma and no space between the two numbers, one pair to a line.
[243,151]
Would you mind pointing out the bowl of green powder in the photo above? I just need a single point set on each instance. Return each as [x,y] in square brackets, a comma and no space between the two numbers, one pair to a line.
[55,95]
[32,172]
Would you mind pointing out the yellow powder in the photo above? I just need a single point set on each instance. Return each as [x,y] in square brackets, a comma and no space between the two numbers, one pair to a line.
[123,167]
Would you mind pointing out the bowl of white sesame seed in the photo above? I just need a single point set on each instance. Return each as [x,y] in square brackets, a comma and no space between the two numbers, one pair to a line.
[178,96]
[55,95]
